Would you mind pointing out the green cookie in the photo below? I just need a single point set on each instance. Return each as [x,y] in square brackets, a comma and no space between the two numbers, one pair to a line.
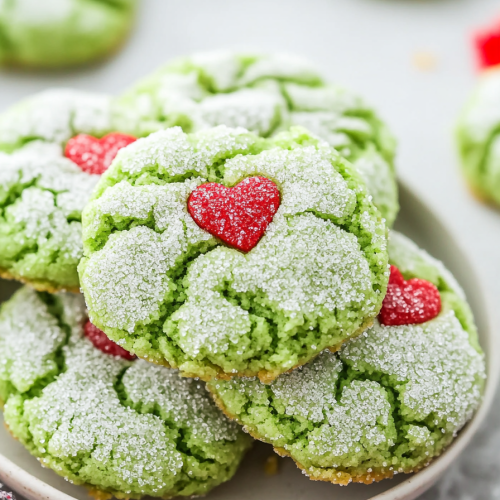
[388,402]
[54,34]
[266,94]
[42,193]
[124,428]
[170,292]
[478,137]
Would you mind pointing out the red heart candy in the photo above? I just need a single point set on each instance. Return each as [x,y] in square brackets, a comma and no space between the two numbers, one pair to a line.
[409,302]
[94,155]
[239,216]
[488,46]
[103,343]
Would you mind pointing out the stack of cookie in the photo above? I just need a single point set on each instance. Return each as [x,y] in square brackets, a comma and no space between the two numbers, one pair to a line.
[227,221]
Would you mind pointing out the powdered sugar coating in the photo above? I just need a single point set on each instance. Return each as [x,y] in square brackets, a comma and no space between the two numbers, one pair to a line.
[181,400]
[96,420]
[435,369]
[147,256]
[360,420]
[127,281]
[257,110]
[42,193]
[56,115]
[377,172]
[307,265]
[266,94]
[388,401]
[207,322]
[172,153]
[300,268]
[315,397]
[164,205]
[33,356]
[305,177]
[308,268]
[336,424]
[24,360]
[77,414]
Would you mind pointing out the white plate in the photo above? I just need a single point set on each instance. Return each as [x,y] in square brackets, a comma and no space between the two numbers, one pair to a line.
[23,473]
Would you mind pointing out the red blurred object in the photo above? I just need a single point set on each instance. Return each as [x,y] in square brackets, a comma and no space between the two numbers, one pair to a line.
[239,215]
[409,302]
[487,44]
[103,343]
[94,155]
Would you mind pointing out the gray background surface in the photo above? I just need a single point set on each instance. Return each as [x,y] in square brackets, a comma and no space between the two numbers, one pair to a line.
[370,46]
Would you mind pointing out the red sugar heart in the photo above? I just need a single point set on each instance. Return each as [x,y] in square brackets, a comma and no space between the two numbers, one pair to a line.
[94,155]
[239,216]
[103,343]
[409,302]
[488,46]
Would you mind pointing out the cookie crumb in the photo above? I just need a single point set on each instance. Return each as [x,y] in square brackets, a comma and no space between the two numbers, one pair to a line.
[424,60]
[271,466]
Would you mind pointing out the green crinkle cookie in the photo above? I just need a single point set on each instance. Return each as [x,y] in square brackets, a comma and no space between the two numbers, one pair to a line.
[42,193]
[389,401]
[48,34]
[168,291]
[478,135]
[129,429]
[267,94]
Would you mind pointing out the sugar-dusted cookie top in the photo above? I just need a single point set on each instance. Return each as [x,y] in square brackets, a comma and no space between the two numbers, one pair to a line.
[267,94]
[127,428]
[389,401]
[163,278]
[53,146]
[55,34]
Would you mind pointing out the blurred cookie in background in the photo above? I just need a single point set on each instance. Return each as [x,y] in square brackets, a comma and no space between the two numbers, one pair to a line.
[478,132]
[61,33]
